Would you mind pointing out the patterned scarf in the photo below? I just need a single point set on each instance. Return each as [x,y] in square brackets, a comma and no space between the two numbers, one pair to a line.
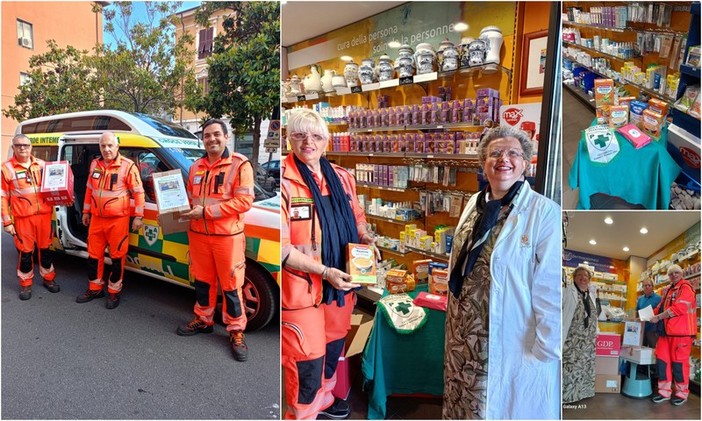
[488,213]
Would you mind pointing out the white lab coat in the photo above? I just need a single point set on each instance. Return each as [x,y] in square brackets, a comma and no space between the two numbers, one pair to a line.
[524,345]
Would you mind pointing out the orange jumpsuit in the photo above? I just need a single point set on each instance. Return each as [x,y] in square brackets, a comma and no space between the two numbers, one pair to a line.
[673,348]
[107,200]
[225,189]
[31,215]
[313,334]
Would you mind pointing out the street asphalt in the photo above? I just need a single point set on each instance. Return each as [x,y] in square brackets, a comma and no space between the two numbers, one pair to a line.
[64,360]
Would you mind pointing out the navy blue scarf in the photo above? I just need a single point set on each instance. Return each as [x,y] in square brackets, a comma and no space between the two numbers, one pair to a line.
[488,212]
[337,221]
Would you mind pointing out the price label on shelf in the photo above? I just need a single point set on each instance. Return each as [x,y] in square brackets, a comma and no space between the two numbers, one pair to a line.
[408,80]
[356,90]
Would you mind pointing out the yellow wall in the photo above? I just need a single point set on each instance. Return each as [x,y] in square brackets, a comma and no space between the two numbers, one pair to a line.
[68,23]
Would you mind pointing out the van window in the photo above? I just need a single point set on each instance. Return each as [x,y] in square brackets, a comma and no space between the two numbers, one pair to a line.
[164,127]
[148,164]
[47,153]
[77,124]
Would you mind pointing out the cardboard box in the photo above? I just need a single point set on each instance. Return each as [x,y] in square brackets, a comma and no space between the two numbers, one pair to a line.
[608,344]
[607,383]
[360,263]
[639,354]
[633,333]
[171,200]
[438,283]
[57,183]
[606,365]
[356,340]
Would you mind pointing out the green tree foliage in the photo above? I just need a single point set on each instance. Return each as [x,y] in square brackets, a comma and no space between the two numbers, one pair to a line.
[148,70]
[244,69]
[59,81]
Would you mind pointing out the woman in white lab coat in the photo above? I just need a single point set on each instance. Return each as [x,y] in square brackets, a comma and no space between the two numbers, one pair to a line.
[503,323]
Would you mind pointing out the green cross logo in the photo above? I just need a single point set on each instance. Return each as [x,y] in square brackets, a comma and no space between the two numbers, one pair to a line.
[402,308]
[600,141]
[150,234]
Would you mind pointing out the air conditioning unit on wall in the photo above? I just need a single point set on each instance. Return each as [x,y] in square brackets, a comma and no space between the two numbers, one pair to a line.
[25,42]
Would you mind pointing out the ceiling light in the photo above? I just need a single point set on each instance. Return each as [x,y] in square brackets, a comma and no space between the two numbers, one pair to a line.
[593,242]
[586,262]
[394,44]
[346,58]
[643,230]
[609,221]
[460,27]
[625,248]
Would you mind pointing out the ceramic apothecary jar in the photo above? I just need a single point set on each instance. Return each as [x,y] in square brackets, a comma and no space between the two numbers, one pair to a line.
[351,74]
[385,69]
[366,72]
[404,65]
[425,58]
[448,56]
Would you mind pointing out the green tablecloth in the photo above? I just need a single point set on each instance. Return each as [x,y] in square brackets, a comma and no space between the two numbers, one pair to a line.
[395,363]
[641,177]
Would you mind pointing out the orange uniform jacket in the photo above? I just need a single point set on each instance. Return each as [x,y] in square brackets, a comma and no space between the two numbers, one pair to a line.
[108,187]
[680,299]
[301,230]
[225,189]
[20,190]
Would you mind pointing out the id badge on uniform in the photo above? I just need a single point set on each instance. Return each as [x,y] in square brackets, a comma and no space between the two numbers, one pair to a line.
[97,174]
[23,174]
[197,179]
[300,212]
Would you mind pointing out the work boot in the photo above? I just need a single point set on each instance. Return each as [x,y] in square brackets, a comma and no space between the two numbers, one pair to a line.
[112,301]
[239,349]
[52,286]
[25,293]
[339,410]
[194,327]
[90,295]
[659,398]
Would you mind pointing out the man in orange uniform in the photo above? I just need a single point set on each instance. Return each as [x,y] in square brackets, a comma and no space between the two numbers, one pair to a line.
[26,216]
[677,311]
[113,180]
[221,189]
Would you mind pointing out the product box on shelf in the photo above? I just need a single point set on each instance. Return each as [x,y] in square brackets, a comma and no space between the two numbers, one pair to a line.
[633,333]
[604,98]
[606,365]
[607,383]
[438,281]
[57,183]
[608,344]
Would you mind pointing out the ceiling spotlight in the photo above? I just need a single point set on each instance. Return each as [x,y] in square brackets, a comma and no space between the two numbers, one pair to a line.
[609,221]
[625,248]
[593,242]
[460,27]
[346,58]
[643,230]
[394,44]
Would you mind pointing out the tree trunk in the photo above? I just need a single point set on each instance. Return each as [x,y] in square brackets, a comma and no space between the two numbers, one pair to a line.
[256,140]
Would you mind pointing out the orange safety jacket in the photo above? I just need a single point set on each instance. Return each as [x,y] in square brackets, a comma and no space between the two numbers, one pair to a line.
[108,188]
[225,189]
[20,190]
[301,230]
[680,299]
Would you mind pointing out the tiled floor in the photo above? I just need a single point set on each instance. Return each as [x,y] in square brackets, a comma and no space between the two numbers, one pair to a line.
[606,406]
